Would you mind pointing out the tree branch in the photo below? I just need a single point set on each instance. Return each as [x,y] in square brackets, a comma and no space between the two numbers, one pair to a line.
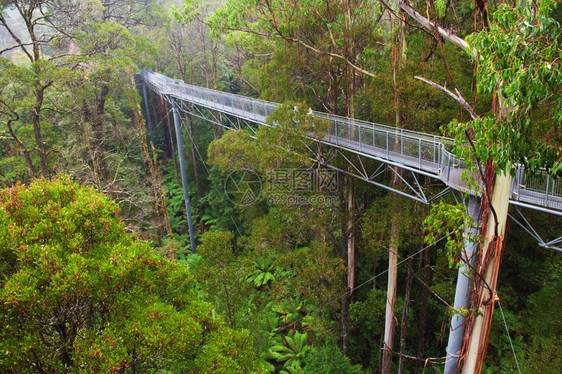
[314,49]
[443,32]
[458,97]
[15,37]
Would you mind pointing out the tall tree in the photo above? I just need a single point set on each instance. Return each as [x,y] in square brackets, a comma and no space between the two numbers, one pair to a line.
[507,135]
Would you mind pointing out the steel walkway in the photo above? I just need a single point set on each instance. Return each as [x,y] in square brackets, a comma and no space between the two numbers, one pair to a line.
[410,150]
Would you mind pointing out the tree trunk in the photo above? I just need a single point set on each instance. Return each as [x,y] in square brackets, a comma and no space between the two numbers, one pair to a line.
[168,134]
[99,136]
[168,141]
[23,149]
[151,169]
[345,299]
[391,286]
[425,262]
[350,238]
[396,182]
[487,266]
[404,322]
[36,121]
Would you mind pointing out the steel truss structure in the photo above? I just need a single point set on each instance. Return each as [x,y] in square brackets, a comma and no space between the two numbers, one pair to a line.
[365,150]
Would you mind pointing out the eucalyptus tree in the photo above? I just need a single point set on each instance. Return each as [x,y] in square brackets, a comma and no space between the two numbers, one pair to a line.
[517,59]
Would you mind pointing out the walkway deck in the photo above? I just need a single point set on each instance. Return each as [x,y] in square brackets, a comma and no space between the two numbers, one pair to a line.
[420,152]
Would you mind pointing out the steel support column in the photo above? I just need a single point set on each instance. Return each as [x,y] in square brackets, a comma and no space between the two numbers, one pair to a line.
[183,175]
[464,284]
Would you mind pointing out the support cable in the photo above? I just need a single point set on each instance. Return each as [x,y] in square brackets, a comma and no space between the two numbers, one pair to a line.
[509,336]
[401,262]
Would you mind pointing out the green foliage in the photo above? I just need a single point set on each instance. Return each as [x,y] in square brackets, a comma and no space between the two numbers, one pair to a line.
[291,350]
[448,221]
[293,129]
[315,276]
[441,7]
[227,352]
[222,278]
[518,58]
[264,270]
[367,320]
[175,205]
[500,351]
[78,293]
[274,270]
[329,360]
[543,356]
[544,317]
[23,89]
[235,150]
[283,143]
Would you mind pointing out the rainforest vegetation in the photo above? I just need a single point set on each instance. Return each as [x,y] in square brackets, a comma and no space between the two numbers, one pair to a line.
[97,273]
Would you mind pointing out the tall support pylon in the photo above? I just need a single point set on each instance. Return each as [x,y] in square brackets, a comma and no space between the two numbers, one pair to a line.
[464,286]
[184,176]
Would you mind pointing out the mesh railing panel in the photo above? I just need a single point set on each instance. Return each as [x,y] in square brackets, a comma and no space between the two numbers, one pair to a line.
[413,149]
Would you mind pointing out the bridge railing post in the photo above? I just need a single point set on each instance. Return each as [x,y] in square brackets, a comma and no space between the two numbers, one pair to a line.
[387,146]
[336,131]
[448,167]
[434,147]
[401,141]
[546,189]
[360,140]
[419,151]
[440,159]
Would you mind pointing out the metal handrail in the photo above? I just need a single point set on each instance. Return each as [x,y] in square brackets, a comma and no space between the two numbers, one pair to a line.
[415,150]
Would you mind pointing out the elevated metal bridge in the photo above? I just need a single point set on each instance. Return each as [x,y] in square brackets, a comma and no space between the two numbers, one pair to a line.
[356,141]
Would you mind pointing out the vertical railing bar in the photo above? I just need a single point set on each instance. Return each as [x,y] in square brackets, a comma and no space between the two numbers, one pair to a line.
[449,169]
[359,132]
[387,147]
[546,189]
[419,151]
[434,143]
[520,180]
[439,158]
